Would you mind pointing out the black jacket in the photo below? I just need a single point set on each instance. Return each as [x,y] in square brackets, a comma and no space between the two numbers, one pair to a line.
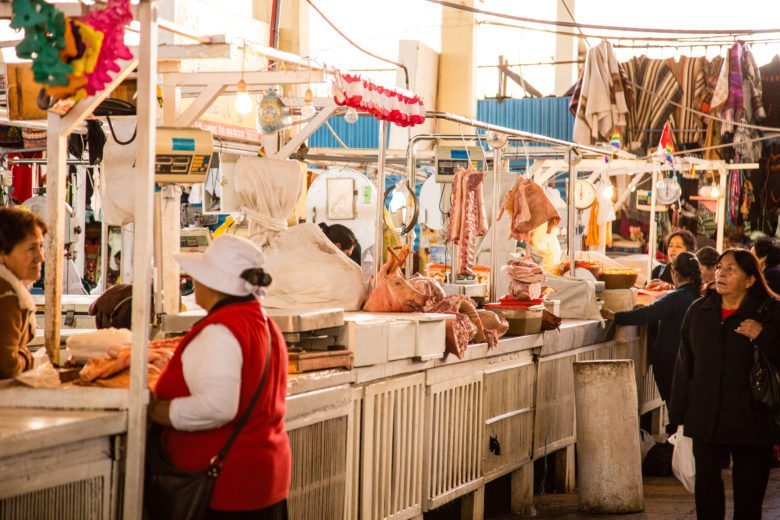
[772,276]
[662,272]
[711,391]
[668,311]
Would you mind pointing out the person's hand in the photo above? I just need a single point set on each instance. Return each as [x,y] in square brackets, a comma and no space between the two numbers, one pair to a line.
[607,314]
[751,329]
[658,285]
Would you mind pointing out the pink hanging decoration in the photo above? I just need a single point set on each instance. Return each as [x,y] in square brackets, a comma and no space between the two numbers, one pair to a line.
[397,106]
[111,21]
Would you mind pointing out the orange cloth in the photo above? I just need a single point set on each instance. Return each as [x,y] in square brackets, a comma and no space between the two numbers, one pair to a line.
[592,236]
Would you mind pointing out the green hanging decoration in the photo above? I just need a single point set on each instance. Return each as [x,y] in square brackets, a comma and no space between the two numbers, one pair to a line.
[44,38]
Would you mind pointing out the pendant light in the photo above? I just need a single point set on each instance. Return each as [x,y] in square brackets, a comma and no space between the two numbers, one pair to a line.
[244,103]
[308,110]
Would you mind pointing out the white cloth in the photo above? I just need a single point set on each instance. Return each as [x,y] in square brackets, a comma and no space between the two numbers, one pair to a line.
[212,370]
[308,271]
[597,114]
[117,181]
[268,191]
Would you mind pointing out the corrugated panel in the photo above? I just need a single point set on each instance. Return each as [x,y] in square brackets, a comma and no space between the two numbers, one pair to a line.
[362,134]
[546,116]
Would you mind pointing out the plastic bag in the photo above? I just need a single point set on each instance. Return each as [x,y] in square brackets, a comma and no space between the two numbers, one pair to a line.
[646,443]
[683,463]
[42,375]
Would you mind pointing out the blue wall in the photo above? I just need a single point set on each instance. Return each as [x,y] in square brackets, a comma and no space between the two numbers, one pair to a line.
[545,116]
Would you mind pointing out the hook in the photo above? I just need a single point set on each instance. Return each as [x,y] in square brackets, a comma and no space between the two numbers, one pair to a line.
[465,146]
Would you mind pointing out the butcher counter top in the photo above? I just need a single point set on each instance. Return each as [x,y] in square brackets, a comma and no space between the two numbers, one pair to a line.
[23,430]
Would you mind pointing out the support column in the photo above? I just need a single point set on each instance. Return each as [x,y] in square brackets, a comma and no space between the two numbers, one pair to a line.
[565,50]
[565,475]
[142,260]
[522,491]
[457,65]
[472,506]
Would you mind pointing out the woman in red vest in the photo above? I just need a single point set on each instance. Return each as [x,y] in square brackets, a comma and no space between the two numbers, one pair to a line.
[212,377]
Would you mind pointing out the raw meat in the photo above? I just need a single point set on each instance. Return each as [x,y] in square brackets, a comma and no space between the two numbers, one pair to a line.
[467,221]
[393,292]
[526,278]
[117,359]
[493,324]
[528,207]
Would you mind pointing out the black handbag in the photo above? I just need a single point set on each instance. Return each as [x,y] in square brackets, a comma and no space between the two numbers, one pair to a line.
[764,376]
[170,492]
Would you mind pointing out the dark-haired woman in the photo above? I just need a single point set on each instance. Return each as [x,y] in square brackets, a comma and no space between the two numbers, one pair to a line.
[210,381]
[678,242]
[767,250]
[21,258]
[711,393]
[668,311]
[343,238]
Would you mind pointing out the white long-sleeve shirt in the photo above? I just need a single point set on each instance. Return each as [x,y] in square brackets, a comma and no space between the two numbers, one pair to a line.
[212,370]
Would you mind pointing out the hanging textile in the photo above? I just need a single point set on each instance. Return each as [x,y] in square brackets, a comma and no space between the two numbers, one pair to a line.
[690,74]
[770,90]
[592,235]
[650,108]
[602,107]
[468,220]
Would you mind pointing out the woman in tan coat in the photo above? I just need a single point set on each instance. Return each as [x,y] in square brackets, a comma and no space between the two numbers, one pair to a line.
[21,257]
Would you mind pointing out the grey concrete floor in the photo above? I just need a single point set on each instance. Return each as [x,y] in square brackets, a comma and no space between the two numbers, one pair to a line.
[665,499]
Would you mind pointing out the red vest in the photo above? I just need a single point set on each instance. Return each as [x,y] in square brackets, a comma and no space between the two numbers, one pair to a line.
[256,471]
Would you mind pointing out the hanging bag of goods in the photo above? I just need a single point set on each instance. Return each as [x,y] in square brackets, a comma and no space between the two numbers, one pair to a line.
[72,57]
[396,105]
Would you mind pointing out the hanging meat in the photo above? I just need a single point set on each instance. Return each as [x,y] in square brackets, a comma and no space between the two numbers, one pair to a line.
[529,208]
[525,278]
[467,221]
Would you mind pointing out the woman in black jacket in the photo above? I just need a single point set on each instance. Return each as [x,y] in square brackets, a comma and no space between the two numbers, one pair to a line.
[680,241]
[767,250]
[711,393]
[668,311]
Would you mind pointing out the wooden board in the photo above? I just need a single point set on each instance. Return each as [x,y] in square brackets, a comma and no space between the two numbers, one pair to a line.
[310,361]
[22,92]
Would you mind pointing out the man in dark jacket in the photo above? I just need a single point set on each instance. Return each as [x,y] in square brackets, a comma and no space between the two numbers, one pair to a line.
[711,394]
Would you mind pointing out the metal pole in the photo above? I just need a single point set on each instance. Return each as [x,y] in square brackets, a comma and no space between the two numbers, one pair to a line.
[721,205]
[572,215]
[653,232]
[142,260]
[380,199]
[497,159]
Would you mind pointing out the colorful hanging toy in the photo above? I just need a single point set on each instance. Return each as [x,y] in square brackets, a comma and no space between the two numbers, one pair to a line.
[665,146]
[72,57]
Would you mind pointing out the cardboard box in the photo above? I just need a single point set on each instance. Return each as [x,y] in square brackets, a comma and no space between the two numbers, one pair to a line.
[22,93]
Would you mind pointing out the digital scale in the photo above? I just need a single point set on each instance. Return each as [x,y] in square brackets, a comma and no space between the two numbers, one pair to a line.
[195,240]
[450,159]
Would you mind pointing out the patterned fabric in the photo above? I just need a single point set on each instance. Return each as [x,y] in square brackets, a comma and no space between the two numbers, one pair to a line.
[602,104]
[650,108]
[770,92]
[690,74]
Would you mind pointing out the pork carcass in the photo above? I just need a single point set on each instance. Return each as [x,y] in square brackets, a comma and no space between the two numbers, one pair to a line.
[117,360]
[467,221]
[525,278]
[494,327]
[528,207]
[393,292]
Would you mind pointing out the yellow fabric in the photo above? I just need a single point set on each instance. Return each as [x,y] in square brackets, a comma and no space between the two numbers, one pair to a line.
[592,236]
[390,237]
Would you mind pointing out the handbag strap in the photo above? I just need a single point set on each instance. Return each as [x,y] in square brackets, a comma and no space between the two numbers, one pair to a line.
[215,464]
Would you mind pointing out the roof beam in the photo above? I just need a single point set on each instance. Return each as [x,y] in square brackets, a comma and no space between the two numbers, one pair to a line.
[277,77]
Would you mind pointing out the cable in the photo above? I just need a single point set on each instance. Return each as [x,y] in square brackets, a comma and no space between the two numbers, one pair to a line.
[571,15]
[358,47]
[685,42]
[113,134]
[703,114]
[332,131]
[562,23]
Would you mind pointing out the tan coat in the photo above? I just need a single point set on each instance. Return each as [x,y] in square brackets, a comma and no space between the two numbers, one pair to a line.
[17,324]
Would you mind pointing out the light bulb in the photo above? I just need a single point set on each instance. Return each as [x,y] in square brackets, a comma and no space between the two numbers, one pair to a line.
[705,191]
[351,116]
[308,111]
[244,103]
[714,191]
[609,191]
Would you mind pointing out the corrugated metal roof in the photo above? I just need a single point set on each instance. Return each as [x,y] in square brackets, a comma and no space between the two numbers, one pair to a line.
[362,134]
[545,116]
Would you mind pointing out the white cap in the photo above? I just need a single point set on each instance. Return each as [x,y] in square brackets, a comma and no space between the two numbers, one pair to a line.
[220,267]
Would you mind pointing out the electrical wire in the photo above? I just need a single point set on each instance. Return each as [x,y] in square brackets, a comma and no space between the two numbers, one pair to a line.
[335,135]
[683,41]
[571,15]
[358,47]
[561,23]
